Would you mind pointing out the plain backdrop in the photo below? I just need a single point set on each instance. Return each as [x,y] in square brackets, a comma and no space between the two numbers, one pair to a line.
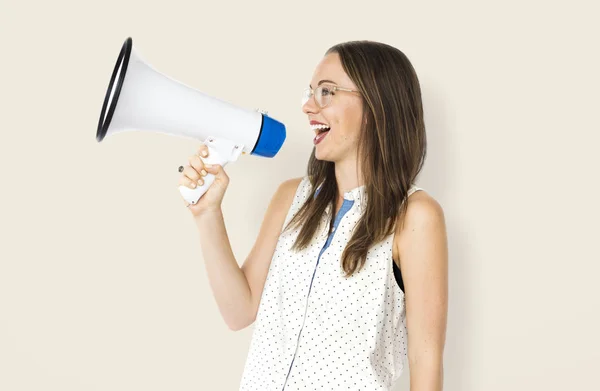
[102,280]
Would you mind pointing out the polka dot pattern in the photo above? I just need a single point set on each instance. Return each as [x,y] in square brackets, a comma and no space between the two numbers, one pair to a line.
[316,329]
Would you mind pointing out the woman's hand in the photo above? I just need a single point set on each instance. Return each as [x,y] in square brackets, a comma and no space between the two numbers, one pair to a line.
[193,176]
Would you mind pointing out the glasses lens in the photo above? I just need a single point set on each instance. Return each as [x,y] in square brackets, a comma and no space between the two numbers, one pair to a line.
[323,95]
[305,96]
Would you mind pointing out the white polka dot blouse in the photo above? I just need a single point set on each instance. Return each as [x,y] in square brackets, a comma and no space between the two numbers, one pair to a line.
[318,330]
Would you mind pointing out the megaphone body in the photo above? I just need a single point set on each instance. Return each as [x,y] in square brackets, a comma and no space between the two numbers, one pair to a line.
[139,98]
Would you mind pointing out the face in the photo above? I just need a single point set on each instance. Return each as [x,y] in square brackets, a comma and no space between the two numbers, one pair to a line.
[343,114]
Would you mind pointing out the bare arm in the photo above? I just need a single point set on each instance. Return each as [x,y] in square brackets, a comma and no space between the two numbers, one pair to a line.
[256,266]
[237,290]
[424,259]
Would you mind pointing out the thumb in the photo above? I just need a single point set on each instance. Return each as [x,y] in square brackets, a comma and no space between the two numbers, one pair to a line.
[213,168]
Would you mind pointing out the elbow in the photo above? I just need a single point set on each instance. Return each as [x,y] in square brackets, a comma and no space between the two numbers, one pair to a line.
[240,325]
[234,327]
[243,320]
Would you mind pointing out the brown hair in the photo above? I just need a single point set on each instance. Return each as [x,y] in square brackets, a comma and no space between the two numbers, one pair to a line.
[392,147]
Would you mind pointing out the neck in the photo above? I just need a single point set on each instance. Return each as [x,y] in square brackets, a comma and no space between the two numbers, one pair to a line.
[348,175]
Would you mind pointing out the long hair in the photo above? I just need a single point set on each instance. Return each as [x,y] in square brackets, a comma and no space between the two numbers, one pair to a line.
[391,147]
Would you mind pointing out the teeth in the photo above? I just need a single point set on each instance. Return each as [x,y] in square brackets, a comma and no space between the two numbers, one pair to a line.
[319,126]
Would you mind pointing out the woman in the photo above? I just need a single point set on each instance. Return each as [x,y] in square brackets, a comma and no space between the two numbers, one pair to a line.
[346,280]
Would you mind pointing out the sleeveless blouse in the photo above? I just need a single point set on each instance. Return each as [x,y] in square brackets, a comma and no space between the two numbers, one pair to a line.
[318,330]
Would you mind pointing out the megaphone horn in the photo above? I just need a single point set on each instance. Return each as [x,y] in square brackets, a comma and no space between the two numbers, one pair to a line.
[142,99]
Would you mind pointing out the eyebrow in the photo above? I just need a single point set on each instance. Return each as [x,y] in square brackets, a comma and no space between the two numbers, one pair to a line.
[323,81]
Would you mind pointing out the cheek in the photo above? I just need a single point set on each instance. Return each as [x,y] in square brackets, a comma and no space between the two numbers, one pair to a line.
[347,124]
[351,125]
[343,121]
[336,122]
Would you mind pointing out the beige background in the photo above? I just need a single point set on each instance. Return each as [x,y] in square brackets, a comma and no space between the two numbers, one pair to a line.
[102,282]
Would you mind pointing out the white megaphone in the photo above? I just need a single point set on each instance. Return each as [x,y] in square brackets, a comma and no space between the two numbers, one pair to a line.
[141,98]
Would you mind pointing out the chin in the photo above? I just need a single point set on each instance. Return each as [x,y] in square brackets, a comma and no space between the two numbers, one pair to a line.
[319,157]
[323,156]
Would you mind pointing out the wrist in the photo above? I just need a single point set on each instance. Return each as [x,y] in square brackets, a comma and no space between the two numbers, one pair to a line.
[208,214]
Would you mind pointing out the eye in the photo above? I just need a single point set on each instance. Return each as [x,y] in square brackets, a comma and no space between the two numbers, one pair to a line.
[325,91]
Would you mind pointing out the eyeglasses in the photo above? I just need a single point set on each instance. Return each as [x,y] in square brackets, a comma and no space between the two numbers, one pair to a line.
[322,94]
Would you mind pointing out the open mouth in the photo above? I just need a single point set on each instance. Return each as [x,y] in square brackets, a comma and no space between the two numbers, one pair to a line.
[319,127]
[321,134]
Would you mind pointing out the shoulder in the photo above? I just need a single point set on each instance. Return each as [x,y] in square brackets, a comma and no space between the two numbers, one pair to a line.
[287,190]
[424,222]
[280,203]
[290,185]
[421,208]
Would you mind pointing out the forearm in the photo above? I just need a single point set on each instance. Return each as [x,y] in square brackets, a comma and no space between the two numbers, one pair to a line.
[426,375]
[227,281]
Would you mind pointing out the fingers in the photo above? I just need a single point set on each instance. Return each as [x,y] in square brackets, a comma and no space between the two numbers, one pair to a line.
[195,160]
[192,175]
[197,164]
[203,150]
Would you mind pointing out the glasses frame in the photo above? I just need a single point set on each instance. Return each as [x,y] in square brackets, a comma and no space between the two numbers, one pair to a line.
[333,89]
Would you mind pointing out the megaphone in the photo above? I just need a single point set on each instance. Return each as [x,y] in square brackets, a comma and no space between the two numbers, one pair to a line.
[141,98]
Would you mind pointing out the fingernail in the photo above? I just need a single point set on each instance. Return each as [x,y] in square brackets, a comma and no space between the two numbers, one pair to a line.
[193,184]
[203,172]
[200,182]
[205,153]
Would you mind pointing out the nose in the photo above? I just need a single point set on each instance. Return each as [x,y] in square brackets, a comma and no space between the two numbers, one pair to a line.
[310,106]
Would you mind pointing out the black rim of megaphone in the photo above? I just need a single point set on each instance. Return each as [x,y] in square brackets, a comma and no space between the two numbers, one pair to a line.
[123,57]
